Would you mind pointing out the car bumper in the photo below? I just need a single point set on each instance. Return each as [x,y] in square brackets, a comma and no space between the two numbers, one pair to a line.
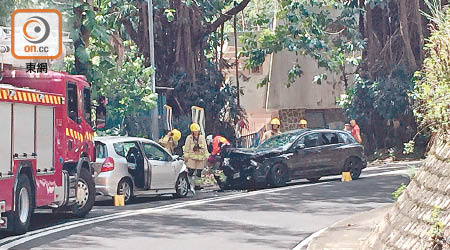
[105,185]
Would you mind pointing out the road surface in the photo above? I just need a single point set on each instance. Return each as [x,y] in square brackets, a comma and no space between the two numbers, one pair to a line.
[278,218]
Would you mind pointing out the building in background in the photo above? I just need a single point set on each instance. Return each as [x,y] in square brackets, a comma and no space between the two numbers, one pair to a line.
[302,100]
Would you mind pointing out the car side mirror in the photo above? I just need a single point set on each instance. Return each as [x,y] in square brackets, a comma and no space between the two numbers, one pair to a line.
[175,157]
[300,146]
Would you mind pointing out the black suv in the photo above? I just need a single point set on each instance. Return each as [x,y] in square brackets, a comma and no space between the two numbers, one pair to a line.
[309,154]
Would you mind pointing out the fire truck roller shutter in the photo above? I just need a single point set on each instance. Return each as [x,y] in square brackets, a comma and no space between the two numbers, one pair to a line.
[44,138]
[5,135]
[23,135]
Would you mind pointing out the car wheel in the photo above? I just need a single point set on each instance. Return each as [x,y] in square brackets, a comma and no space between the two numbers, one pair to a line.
[125,188]
[277,176]
[85,194]
[20,218]
[182,186]
[314,180]
[354,166]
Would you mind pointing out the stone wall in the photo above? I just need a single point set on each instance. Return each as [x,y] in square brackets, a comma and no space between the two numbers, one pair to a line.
[290,117]
[408,224]
[317,118]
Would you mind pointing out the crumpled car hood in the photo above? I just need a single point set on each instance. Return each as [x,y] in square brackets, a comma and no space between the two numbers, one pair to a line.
[252,153]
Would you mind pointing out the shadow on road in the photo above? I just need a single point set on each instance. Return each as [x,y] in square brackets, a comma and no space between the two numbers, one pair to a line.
[270,221]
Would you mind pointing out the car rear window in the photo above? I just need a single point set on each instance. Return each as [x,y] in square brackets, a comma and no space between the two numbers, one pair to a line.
[101,151]
[122,148]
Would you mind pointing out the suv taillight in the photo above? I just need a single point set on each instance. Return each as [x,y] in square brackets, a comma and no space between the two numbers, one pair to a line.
[108,165]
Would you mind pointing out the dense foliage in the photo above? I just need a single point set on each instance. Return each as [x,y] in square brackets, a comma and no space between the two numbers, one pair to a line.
[433,85]
[432,92]
[379,99]
[326,31]
[107,30]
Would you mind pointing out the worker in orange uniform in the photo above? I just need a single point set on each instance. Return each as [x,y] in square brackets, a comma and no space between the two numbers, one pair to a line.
[170,140]
[195,155]
[216,143]
[356,131]
[275,123]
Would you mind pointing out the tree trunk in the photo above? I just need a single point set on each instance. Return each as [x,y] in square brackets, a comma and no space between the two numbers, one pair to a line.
[404,31]
[237,59]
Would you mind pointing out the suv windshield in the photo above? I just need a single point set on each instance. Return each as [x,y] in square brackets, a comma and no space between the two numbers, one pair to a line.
[280,141]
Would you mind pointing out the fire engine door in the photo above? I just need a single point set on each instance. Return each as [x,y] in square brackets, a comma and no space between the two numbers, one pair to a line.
[44,139]
[5,135]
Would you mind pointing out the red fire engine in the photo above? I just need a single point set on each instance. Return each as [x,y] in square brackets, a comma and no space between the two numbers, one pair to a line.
[46,145]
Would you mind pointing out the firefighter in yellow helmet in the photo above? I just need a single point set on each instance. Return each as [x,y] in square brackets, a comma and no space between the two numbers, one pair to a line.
[170,140]
[195,155]
[303,124]
[275,130]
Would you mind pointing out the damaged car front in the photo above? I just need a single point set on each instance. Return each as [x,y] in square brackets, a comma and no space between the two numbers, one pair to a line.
[252,167]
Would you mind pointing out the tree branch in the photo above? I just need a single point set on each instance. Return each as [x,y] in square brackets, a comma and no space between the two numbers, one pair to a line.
[225,17]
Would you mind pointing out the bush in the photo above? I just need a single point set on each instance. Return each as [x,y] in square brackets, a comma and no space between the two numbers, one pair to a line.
[432,92]
[396,194]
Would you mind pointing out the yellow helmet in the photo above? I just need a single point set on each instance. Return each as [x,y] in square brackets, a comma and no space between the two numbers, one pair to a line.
[303,122]
[195,127]
[222,140]
[275,121]
[176,134]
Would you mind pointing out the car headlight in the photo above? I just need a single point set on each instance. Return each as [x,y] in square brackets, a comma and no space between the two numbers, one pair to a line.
[253,163]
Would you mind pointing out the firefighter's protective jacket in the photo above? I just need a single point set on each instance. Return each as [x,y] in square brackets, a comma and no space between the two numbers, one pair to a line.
[168,143]
[195,149]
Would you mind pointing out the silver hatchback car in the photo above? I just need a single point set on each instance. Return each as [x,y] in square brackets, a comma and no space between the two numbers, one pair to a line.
[137,166]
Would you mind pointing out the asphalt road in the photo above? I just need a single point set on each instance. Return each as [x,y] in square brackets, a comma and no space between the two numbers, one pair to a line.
[264,219]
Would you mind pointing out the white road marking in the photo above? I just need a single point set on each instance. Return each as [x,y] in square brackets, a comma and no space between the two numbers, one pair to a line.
[17,240]
[306,241]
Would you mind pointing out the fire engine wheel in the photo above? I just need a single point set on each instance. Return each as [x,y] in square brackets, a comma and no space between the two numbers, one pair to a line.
[85,194]
[21,216]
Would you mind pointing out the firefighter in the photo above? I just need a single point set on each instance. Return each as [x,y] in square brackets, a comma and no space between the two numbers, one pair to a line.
[275,123]
[215,160]
[215,144]
[348,127]
[303,124]
[170,140]
[195,155]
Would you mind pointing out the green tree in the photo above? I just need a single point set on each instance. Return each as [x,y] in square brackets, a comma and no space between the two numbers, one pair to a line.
[183,30]
[394,31]
[326,31]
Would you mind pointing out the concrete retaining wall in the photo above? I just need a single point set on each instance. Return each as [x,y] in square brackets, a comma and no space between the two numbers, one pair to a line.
[407,226]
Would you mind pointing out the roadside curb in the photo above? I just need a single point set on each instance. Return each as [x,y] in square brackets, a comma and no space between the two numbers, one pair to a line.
[348,233]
